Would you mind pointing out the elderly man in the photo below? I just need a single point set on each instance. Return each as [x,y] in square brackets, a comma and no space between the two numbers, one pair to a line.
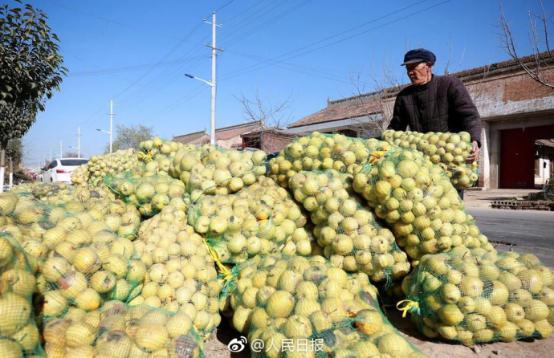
[435,103]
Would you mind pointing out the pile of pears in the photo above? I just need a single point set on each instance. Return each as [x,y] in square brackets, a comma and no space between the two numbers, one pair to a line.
[475,296]
[305,307]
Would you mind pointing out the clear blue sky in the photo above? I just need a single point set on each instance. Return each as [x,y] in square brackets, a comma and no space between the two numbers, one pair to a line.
[137,52]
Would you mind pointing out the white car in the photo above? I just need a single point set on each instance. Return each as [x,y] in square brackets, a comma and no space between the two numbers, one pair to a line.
[59,170]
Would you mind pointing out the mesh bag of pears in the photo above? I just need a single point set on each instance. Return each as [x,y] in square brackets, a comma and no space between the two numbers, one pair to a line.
[117,330]
[304,307]
[85,270]
[215,170]
[40,226]
[448,150]
[259,219]
[108,164]
[417,201]
[157,154]
[477,296]
[81,251]
[61,193]
[346,230]
[19,335]
[148,193]
[180,271]
[319,151]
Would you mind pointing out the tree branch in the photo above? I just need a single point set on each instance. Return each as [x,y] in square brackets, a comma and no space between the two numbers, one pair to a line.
[533,67]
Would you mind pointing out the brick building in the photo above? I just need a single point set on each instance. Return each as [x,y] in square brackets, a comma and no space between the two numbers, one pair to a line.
[269,140]
[226,137]
[515,109]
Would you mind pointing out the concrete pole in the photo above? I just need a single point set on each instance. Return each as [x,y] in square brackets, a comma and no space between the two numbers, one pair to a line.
[214,84]
[78,142]
[111,123]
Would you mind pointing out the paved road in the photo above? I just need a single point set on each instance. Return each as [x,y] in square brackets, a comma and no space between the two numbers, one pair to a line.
[522,230]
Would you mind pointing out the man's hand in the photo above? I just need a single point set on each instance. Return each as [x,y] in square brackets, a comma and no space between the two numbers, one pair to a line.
[474,155]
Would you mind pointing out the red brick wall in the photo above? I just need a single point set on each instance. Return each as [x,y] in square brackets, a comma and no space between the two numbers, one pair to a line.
[523,87]
[274,142]
[514,87]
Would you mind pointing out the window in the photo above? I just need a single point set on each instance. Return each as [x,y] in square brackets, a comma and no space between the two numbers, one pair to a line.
[73,162]
[53,164]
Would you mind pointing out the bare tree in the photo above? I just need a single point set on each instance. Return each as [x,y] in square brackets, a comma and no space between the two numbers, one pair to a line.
[380,91]
[268,114]
[542,55]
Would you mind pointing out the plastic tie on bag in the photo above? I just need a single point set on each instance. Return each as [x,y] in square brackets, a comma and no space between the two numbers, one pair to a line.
[408,306]
[227,274]
[375,156]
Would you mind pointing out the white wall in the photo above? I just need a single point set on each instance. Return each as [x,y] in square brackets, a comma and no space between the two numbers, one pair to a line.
[544,172]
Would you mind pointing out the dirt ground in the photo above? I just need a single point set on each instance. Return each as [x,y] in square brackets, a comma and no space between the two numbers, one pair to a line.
[216,347]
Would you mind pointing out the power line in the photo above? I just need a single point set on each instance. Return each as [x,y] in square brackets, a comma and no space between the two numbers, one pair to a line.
[194,92]
[152,68]
[292,67]
[114,70]
[232,24]
[303,50]
[247,20]
[107,19]
[170,52]
[175,78]
[224,6]
[264,22]
[149,70]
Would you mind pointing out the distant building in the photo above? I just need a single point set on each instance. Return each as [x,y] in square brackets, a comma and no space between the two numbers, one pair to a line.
[515,109]
[226,137]
[267,139]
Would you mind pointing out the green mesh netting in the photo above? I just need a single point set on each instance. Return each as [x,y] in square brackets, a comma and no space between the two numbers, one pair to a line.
[19,335]
[345,229]
[449,150]
[148,193]
[209,170]
[158,154]
[84,272]
[319,151]
[419,204]
[292,306]
[181,275]
[118,330]
[108,164]
[475,296]
[81,250]
[259,219]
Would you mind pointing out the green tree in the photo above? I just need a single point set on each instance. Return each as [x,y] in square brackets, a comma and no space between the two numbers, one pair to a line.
[130,137]
[31,69]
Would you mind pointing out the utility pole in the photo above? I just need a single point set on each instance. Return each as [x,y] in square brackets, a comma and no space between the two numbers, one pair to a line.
[214,83]
[110,131]
[61,149]
[78,142]
[111,123]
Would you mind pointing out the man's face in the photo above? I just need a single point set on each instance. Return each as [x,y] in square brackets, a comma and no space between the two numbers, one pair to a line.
[419,73]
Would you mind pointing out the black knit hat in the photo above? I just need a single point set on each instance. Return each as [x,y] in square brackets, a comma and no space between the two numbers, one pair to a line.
[419,55]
